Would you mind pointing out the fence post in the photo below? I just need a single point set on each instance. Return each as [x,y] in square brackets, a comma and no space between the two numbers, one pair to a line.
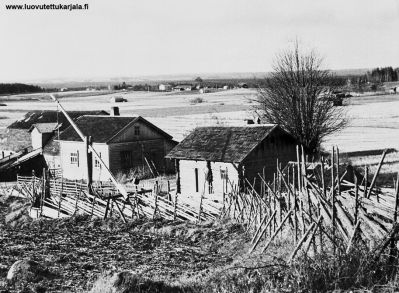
[395,218]
[60,194]
[33,186]
[333,196]
[155,205]
[43,192]
[175,207]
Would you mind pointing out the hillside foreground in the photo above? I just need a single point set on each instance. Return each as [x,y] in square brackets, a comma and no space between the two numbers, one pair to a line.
[94,255]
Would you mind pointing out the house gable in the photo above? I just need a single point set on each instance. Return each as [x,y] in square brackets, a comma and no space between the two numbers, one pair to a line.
[140,129]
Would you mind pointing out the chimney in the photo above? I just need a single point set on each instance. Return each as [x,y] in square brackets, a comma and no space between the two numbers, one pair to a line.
[114,111]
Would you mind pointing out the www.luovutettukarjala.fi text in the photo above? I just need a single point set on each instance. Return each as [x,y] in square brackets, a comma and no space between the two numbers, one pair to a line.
[69,7]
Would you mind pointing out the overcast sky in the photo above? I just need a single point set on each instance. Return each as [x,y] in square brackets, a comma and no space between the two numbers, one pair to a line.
[150,37]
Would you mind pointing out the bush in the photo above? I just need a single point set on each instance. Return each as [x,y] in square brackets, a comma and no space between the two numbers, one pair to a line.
[197,100]
[137,172]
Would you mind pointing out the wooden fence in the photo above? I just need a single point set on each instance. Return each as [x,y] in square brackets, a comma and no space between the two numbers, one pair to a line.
[310,202]
[299,204]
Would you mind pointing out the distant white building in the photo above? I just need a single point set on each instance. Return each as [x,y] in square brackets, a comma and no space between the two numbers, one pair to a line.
[182,87]
[164,87]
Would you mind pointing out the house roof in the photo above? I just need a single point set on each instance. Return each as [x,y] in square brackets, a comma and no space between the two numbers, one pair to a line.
[45,127]
[103,128]
[17,137]
[49,116]
[221,144]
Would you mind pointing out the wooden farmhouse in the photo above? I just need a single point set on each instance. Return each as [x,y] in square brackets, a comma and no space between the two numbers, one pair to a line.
[214,160]
[124,143]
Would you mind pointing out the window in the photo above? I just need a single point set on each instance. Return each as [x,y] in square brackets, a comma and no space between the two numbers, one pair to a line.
[75,158]
[223,174]
[126,159]
[196,179]
[97,163]
[210,187]
[137,130]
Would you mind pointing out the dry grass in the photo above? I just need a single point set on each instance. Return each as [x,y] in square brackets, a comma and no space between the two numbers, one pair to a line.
[389,170]
[360,270]
[140,173]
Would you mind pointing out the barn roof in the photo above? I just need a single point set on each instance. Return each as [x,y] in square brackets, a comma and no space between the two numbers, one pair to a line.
[49,116]
[221,144]
[103,128]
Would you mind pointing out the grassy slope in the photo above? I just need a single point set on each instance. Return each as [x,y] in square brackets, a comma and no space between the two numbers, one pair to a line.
[80,249]
[164,256]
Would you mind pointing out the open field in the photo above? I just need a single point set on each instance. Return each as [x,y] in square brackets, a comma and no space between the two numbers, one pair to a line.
[374,120]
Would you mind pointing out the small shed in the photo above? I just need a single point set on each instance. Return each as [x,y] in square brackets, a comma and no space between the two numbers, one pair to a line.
[41,134]
[213,160]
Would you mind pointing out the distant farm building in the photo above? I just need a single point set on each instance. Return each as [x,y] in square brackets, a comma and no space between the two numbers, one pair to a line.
[204,90]
[117,100]
[243,85]
[182,87]
[123,143]
[212,160]
[164,87]
[393,90]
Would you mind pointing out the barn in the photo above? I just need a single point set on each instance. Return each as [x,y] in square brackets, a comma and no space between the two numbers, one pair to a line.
[123,143]
[213,160]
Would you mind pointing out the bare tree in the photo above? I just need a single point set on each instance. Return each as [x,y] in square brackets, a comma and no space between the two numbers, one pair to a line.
[297,97]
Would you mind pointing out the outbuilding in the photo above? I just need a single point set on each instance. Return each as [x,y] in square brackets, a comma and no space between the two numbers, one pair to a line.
[213,160]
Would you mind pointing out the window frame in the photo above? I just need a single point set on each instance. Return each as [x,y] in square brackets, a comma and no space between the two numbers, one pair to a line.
[74,158]
[97,163]
[136,130]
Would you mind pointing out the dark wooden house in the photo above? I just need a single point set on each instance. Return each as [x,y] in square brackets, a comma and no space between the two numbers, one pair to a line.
[213,160]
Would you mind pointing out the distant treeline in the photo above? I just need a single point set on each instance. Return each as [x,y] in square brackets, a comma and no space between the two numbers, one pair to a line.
[18,88]
[384,74]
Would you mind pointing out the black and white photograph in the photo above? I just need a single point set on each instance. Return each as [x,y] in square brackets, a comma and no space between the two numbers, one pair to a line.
[212,146]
